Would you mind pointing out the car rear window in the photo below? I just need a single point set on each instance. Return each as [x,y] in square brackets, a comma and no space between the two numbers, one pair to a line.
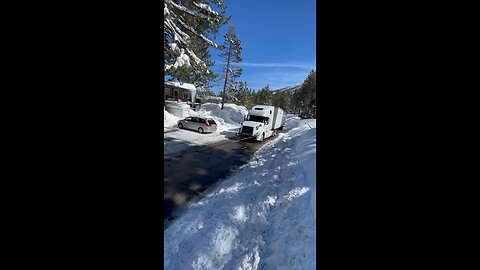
[211,122]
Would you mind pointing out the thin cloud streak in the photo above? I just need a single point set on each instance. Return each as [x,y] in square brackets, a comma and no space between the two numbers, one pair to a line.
[276,79]
[286,65]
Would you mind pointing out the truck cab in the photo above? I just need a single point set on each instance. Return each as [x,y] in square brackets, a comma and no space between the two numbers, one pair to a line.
[262,122]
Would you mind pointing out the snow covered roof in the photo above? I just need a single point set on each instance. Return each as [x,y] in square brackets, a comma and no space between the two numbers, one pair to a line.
[187,86]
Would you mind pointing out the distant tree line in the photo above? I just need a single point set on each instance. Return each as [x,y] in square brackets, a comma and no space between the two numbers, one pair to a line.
[301,101]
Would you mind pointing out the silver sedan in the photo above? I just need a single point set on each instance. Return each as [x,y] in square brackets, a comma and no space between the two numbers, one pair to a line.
[199,124]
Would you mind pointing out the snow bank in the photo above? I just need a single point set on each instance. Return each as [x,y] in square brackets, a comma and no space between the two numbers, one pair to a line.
[228,119]
[263,217]
[312,123]
[169,120]
[231,113]
[174,142]
[179,109]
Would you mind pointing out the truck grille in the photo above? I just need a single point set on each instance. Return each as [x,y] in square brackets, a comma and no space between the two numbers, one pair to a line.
[247,131]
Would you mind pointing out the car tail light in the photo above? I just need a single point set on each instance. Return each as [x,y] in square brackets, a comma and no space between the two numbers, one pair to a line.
[208,124]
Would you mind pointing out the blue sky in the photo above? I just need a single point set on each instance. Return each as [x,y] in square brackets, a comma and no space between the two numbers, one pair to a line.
[278,38]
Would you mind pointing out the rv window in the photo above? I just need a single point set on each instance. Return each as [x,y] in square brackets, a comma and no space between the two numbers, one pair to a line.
[270,111]
[259,109]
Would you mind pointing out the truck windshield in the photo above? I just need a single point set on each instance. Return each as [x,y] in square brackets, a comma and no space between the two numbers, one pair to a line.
[256,118]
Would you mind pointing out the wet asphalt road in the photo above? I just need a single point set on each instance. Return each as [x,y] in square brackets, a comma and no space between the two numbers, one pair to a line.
[191,172]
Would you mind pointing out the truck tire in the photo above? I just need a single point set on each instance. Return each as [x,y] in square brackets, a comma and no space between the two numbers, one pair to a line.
[263,137]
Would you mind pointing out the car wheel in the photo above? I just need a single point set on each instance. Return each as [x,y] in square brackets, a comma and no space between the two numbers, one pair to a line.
[180,126]
[200,130]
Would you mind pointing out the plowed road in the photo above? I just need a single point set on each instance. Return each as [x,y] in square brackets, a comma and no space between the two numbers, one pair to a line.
[191,172]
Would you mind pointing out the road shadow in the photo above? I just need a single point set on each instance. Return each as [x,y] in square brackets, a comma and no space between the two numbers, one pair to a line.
[189,175]
[174,146]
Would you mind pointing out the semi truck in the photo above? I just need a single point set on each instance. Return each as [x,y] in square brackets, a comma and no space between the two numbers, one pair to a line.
[262,122]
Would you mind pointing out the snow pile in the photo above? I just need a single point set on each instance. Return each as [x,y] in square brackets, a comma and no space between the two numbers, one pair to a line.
[291,121]
[263,217]
[231,113]
[229,118]
[179,109]
[174,142]
[312,123]
[169,120]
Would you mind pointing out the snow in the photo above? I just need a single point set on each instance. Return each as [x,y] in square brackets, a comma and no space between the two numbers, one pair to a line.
[206,7]
[188,86]
[228,123]
[169,120]
[192,88]
[194,56]
[182,60]
[178,109]
[173,46]
[263,217]
[231,116]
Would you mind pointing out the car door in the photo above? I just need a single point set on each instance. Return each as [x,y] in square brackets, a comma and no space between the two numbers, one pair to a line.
[188,122]
[194,123]
[201,123]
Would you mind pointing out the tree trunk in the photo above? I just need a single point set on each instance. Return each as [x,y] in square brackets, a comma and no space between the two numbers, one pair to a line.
[226,73]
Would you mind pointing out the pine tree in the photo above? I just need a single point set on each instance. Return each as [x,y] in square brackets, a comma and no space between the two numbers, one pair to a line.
[304,99]
[282,100]
[244,95]
[189,28]
[264,96]
[231,53]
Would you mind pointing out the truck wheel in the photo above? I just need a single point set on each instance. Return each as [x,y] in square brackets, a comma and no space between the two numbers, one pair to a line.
[263,137]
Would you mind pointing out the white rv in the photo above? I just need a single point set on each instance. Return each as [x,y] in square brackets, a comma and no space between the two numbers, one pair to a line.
[262,122]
